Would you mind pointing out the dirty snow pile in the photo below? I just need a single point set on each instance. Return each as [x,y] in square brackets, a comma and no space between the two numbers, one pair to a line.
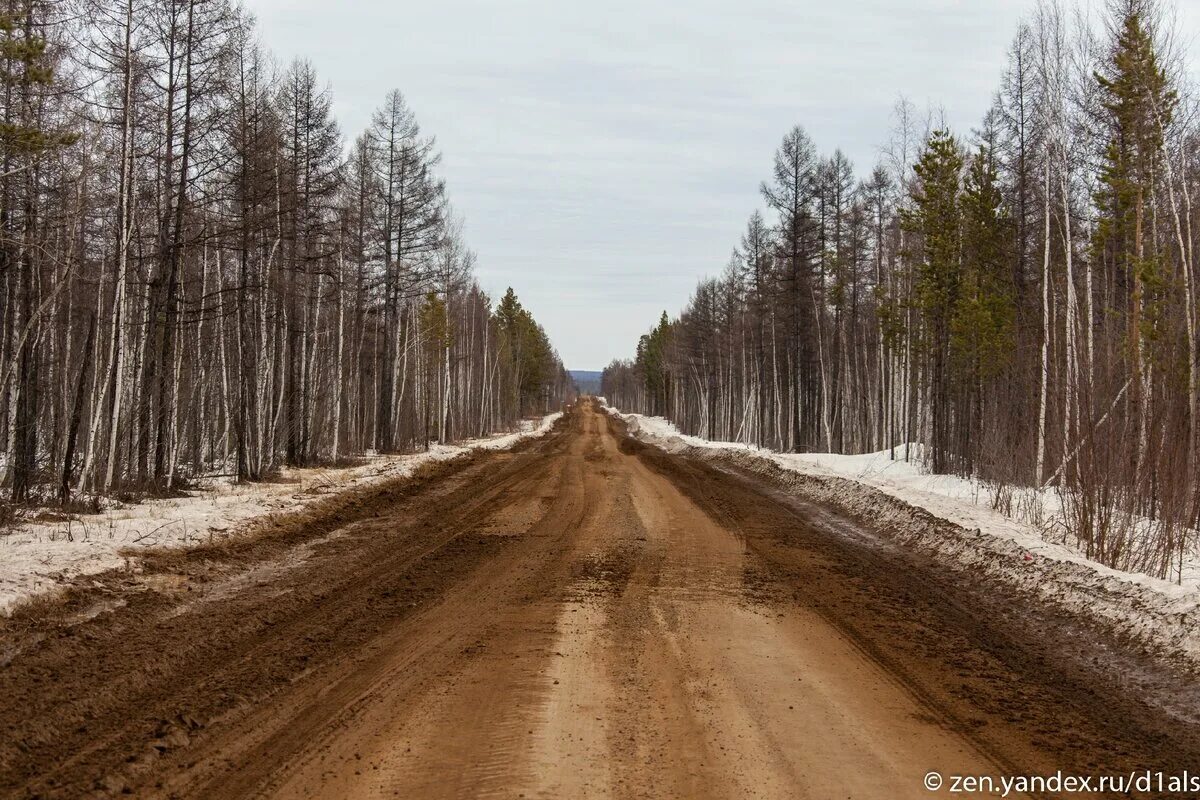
[1035,559]
[37,555]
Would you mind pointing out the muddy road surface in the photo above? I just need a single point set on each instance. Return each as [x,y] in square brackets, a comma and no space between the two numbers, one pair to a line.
[579,617]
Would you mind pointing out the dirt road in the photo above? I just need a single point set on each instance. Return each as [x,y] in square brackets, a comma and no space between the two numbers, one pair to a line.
[581,617]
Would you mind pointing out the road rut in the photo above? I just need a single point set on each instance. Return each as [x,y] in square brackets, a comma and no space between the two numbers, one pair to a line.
[581,617]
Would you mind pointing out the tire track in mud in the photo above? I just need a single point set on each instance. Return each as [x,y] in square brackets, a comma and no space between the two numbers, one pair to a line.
[1003,674]
[483,638]
[281,736]
[582,616]
[97,706]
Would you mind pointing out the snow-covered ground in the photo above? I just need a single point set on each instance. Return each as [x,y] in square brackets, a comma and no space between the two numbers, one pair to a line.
[1028,549]
[36,556]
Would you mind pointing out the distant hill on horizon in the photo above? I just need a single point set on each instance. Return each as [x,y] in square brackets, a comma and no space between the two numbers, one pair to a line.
[588,380]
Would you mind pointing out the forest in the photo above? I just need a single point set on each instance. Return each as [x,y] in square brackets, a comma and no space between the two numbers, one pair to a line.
[199,275]
[1017,300]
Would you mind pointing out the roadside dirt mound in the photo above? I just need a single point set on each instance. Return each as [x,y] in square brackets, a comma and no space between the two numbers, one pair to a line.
[1128,615]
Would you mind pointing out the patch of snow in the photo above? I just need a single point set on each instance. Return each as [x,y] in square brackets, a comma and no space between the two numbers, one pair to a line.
[37,556]
[1158,613]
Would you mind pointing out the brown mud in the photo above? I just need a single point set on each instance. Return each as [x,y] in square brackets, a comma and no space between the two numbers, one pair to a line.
[579,617]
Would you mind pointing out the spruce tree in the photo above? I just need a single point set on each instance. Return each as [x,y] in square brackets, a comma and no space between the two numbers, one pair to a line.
[26,76]
[935,218]
[652,361]
[1139,104]
[981,335]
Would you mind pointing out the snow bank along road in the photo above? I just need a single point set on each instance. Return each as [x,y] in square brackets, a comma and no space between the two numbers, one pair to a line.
[581,616]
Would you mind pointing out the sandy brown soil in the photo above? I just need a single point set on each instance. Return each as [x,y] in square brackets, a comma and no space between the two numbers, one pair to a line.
[580,617]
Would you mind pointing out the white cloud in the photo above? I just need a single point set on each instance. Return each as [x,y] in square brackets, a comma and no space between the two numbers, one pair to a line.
[611,151]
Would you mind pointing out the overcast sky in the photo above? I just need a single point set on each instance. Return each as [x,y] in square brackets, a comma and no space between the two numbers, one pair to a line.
[605,155]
